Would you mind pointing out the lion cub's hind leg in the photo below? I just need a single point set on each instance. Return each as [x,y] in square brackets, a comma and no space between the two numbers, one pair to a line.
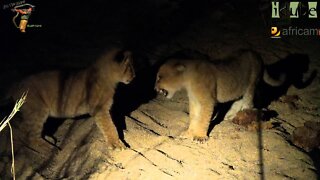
[247,99]
[246,102]
[248,96]
[255,74]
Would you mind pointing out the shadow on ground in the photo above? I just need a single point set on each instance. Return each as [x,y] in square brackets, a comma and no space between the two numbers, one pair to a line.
[294,67]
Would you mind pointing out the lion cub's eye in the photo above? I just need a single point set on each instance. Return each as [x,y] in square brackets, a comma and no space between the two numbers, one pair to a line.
[158,78]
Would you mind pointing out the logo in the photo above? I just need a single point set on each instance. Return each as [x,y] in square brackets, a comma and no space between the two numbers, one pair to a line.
[294,18]
[24,11]
[21,14]
[294,9]
[275,32]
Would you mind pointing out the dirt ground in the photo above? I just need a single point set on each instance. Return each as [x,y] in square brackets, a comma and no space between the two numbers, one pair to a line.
[150,124]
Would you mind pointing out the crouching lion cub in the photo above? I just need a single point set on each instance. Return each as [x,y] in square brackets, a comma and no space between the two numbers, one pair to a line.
[70,94]
[211,82]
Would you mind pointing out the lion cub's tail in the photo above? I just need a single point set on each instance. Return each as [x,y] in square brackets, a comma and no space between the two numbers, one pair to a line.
[273,82]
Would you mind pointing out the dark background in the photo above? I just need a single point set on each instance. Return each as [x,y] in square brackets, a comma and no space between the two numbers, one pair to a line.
[78,29]
[74,33]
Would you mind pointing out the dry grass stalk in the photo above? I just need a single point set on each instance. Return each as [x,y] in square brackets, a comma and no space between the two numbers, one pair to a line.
[6,121]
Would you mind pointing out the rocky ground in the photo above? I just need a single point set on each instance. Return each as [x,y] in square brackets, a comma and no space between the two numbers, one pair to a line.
[150,124]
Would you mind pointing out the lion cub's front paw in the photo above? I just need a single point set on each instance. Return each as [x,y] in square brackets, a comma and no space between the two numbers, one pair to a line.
[186,135]
[116,145]
[190,135]
[200,139]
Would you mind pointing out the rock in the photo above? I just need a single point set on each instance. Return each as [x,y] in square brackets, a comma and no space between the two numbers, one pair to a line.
[307,137]
[289,98]
[246,117]
[253,120]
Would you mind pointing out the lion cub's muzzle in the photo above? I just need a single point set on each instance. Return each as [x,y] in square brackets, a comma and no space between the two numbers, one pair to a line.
[129,80]
[162,91]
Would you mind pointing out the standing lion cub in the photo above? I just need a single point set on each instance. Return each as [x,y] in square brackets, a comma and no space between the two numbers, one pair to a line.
[211,82]
[70,94]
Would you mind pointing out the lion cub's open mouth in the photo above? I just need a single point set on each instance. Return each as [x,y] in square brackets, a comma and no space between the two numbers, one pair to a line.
[163,92]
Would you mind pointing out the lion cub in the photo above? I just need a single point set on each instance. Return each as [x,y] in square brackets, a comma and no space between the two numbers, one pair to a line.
[70,94]
[211,82]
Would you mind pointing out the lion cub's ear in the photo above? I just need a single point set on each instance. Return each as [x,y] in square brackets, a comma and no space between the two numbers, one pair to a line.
[180,67]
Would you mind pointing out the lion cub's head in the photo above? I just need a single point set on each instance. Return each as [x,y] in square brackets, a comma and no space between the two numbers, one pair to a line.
[170,78]
[115,66]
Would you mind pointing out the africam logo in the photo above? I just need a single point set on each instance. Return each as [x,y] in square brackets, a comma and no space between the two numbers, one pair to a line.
[294,31]
[275,32]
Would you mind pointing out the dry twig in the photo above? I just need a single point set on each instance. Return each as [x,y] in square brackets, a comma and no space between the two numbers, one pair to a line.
[6,121]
